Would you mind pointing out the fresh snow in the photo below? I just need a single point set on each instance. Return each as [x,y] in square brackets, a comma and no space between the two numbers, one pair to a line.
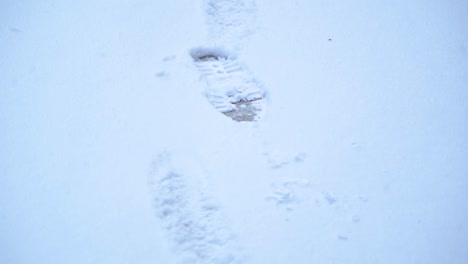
[233,131]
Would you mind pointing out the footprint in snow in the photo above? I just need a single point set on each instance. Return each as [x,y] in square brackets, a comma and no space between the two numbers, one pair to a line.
[191,220]
[231,87]
[230,22]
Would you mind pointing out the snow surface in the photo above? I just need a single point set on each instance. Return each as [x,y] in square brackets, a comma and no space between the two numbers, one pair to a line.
[111,151]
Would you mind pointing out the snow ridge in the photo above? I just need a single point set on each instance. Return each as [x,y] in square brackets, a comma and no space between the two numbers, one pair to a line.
[190,218]
[231,87]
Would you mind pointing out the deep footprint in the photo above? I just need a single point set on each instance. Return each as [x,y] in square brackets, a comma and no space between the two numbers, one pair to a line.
[231,88]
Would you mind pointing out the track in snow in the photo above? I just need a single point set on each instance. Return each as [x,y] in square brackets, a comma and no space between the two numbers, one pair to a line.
[230,22]
[231,87]
[191,220]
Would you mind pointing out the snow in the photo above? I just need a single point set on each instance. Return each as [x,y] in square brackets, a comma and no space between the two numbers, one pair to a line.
[111,150]
[189,215]
[231,87]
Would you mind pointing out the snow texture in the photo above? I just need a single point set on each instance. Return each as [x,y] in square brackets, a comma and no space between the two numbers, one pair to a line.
[119,140]
[230,22]
[191,219]
[231,87]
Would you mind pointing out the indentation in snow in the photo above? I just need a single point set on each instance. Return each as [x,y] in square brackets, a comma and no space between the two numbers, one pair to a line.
[231,87]
[330,198]
[169,58]
[286,194]
[191,219]
[230,21]
[278,160]
[162,74]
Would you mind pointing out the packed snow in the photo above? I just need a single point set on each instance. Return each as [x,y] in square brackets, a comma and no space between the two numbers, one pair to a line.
[233,131]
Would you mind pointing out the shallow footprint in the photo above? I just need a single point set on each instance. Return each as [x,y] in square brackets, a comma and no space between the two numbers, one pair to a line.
[190,218]
[231,87]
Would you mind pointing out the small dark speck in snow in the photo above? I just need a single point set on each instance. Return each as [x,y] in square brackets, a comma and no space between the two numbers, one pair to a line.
[169,58]
[356,219]
[342,237]
[329,198]
[162,74]
[15,30]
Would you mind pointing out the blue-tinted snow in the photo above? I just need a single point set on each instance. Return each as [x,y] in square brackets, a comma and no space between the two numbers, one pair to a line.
[359,158]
